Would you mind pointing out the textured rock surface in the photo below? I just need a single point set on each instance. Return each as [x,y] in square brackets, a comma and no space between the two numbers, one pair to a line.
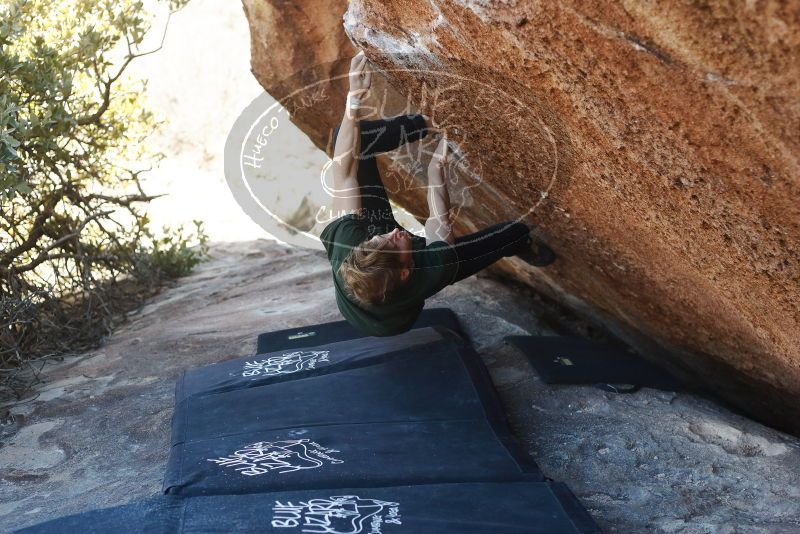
[665,138]
[96,433]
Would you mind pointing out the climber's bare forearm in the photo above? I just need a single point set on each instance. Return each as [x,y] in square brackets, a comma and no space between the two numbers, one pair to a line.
[346,152]
[347,197]
[438,227]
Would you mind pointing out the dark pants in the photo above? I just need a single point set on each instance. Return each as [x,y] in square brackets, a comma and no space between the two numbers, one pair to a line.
[476,251]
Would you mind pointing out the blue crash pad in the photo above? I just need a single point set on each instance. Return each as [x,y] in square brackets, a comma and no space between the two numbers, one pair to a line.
[472,508]
[413,417]
[288,364]
[320,334]
[345,434]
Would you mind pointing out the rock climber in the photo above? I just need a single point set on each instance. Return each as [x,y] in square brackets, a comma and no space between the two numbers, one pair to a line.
[382,273]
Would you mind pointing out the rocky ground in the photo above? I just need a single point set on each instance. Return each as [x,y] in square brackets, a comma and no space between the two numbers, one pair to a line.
[95,433]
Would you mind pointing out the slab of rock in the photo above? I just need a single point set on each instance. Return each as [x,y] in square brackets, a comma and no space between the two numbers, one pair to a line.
[96,432]
[656,145]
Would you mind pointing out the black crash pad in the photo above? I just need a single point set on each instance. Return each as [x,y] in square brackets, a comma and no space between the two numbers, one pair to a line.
[429,382]
[380,435]
[575,360]
[320,334]
[443,319]
[288,364]
[157,514]
[465,508]
[330,456]
[352,353]
[415,416]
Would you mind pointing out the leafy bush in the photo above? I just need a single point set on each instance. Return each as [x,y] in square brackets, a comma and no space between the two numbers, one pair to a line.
[175,253]
[76,249]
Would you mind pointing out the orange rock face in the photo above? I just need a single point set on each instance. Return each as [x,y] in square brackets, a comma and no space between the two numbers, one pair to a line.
[657,146]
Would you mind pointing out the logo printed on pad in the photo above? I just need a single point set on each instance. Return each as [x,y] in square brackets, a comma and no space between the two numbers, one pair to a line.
[345,514]
[285,364]
[300,335]
[278,456]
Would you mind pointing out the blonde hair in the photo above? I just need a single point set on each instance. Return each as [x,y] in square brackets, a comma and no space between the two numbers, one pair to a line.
[371,272]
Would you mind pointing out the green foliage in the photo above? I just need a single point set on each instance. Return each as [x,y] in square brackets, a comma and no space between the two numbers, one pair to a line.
[76,250]
[177,252]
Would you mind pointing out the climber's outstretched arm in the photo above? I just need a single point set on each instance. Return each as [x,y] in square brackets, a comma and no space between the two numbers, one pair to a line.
[347,197]
[438,227]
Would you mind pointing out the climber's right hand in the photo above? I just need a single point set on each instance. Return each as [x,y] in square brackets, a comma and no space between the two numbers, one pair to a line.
[360,75]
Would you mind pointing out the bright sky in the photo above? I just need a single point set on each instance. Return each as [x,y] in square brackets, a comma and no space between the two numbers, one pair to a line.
[200,82]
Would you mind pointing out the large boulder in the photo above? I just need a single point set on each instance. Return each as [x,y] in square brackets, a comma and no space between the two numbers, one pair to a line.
[656,145]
